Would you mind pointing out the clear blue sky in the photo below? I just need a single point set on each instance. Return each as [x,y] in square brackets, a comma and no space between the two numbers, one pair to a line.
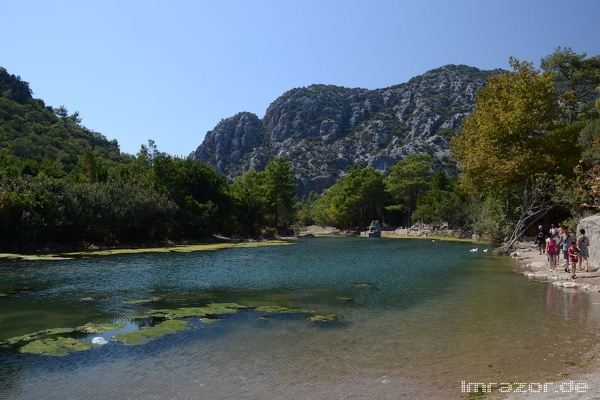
[170,70]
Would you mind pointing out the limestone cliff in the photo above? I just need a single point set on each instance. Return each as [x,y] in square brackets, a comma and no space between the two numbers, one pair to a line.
[325,131]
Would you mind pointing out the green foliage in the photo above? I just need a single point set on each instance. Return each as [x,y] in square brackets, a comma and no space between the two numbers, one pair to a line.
[280,191]
[409,179]
[577,77]
[35,211]
[353,201]
[305,209]
[13,88]
[491,222]
[508,136]
[250,203]
[446,202]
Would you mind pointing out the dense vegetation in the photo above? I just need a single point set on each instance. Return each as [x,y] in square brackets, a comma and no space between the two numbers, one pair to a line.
[62,185]
[532,145]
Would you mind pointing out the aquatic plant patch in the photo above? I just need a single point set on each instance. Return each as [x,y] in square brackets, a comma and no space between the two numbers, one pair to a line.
[167,249]
[38,335]
[60,342]
[26,257]
[281,310]
[323,318]
[58,347]
[99,328]
[149,333]
[141,301]
[190,312]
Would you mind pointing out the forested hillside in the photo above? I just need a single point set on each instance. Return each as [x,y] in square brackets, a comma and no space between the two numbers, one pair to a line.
[63,185]
[43,137]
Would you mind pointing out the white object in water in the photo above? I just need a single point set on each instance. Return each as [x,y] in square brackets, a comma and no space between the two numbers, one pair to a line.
[99,340]
[475,249]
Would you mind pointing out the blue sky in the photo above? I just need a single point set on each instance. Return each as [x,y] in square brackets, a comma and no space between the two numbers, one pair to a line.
[171,70]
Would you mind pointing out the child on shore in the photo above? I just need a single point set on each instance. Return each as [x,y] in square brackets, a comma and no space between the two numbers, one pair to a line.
[573,258]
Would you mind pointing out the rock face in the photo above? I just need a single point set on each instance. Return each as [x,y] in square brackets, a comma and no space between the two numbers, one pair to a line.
[326,131]
[592,231]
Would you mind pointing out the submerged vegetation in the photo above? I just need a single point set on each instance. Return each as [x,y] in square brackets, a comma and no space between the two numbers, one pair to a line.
[151,325]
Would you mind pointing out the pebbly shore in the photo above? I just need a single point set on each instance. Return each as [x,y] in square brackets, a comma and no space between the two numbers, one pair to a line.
[536,266]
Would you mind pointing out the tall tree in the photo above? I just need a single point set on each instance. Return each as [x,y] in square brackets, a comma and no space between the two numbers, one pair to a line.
[250,202]
[353,201]
[513,136]
[510,134]
[280,190]
[576,80]
[409,179]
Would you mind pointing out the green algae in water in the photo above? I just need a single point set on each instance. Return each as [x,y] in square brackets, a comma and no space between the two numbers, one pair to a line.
[190,312]
[141,301]
[57,347]
[208,320]
[150,333]
[281,310]
[323,318]
[99,328]
[167,249]
[38,335]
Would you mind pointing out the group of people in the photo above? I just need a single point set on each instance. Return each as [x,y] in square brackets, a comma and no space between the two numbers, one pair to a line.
[574,250]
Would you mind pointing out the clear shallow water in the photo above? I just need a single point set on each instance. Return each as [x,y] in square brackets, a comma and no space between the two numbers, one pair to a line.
[416,318]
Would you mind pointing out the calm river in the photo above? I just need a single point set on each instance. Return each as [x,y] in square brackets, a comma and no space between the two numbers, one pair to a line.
[402,317]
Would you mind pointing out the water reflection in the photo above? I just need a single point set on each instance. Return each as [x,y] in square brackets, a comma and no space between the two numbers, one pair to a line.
[409,311]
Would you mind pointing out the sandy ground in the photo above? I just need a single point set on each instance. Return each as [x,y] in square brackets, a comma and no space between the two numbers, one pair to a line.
[581,383]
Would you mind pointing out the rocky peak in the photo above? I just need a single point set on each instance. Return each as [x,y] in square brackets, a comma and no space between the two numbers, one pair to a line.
[325,130]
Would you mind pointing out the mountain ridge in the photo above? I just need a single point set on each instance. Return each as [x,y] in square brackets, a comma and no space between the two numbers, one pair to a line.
[325,130]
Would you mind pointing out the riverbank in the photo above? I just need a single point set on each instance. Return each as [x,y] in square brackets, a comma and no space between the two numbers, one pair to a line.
[576,381]
[536,266]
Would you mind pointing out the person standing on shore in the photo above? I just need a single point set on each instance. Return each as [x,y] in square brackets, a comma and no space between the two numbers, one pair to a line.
[561,229]
[565,244]
[573,258]
[553,230]
[583,243]
[541,240]
[551,252]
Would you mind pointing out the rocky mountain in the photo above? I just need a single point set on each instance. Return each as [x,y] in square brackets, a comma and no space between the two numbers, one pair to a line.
[325,131]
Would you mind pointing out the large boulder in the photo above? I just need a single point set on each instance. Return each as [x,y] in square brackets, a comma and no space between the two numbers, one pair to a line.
[592,230]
